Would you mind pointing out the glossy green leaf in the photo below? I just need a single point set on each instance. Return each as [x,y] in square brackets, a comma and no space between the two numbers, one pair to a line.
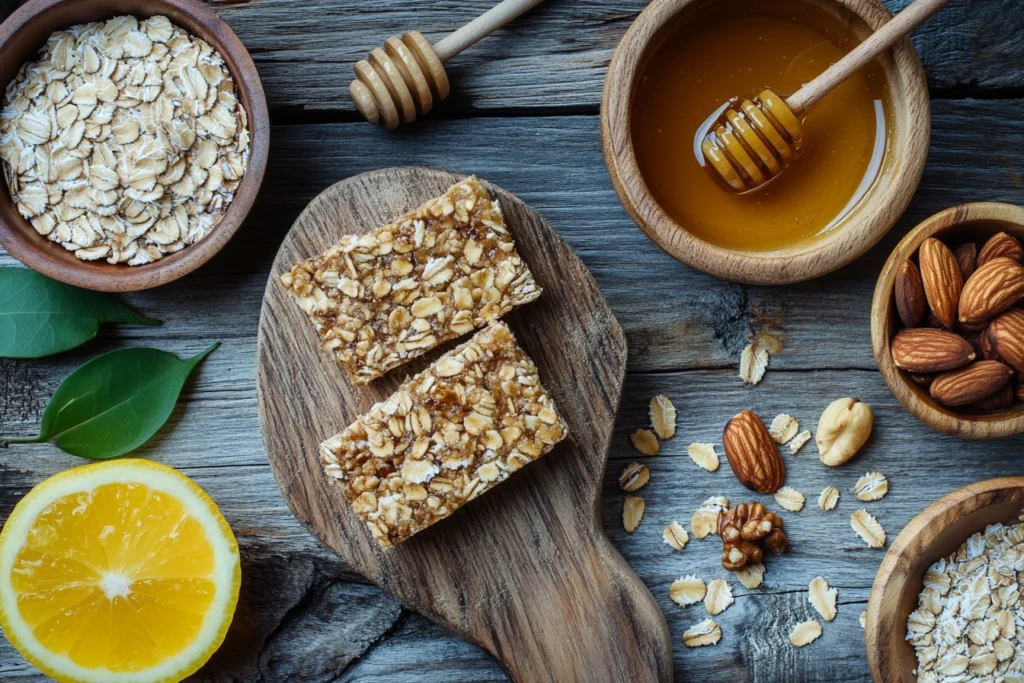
[40,316]
[114,403]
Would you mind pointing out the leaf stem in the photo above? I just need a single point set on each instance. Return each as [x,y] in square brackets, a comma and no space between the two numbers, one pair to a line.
[6,441]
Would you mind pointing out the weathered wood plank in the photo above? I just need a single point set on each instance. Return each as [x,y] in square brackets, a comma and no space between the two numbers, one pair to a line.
[553,57]
[685,331]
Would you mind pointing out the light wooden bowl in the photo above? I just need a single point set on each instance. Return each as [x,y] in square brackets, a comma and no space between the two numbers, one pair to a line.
[877,211]
[933,534]
[21,36]
[978,222]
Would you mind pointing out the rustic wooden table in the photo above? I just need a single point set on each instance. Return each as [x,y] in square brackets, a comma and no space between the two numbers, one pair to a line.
[523,114]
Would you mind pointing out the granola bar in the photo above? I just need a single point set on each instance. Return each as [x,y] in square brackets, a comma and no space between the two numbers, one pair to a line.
[447,435]
[383,298]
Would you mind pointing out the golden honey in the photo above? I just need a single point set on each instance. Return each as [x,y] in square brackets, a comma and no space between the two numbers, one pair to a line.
[737,48]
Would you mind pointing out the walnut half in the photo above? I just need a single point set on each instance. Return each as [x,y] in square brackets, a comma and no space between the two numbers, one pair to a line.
[746,530]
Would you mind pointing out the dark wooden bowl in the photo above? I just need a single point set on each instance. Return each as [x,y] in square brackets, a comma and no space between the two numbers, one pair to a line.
[977,222]
[935,533]
[21,36]
[877,211]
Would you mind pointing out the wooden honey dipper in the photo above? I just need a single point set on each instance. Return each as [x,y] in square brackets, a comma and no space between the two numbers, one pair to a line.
[405,78]
[750,143]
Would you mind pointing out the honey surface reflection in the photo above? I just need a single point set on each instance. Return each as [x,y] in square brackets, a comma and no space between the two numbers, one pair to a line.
[737,48]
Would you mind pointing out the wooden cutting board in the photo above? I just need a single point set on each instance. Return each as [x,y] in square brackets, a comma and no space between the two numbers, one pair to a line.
[524,571]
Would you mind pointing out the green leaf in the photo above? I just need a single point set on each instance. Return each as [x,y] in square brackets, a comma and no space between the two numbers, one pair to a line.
[40,316]
[114,403]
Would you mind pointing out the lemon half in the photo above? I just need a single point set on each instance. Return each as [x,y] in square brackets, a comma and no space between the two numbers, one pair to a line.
[115,572]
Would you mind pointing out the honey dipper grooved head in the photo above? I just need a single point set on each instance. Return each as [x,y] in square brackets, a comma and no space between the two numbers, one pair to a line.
[396,83]
[751,142]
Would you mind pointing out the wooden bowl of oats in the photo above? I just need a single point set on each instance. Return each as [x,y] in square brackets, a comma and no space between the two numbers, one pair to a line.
[133,142]
[934,562]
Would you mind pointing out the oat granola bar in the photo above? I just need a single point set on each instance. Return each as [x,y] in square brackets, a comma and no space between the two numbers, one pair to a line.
[382,298]
[449,434]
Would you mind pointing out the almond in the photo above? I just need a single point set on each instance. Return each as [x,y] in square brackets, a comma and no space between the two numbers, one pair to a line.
[940,275]
[997,401]
[752,453]
[909,291]
[1000,245]
[986,350]
[971,384]
[992,289]
[1005,334]
[967,257]
[925,350]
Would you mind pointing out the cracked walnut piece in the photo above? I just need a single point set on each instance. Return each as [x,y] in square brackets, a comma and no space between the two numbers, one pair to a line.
[745,531]
[383,298]
[447,435]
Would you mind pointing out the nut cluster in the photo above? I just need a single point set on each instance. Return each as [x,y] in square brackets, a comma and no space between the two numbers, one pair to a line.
[746,531]
[963,334]
[124,140]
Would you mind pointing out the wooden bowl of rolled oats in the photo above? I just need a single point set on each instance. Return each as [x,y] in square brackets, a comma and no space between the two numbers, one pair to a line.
[946,599]
[133,139]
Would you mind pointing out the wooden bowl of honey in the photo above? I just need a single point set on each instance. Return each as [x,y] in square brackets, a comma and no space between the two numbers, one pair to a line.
[866,143]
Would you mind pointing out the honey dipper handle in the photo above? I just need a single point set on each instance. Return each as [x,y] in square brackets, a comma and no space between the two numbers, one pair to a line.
[877,43]
[481,27]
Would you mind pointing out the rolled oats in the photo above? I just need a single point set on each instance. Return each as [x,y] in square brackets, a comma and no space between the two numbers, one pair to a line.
[805,633]
[829,498]
[822,598]
[663,416]
[706,632]
[382,298]
[675,535]
[718,598]
[798,441]
[442,438]
[868,528]
[634,476]
[753,362]
[703,454]
[872,486]
[645,442]
[752,575]
[124,140]
[687,590]
[704,521]
[632,512]
[790,499]
[784,427]
[969,614]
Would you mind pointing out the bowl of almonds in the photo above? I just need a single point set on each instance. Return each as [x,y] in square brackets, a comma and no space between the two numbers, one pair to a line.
[945,605]
[947,321]
[133,139]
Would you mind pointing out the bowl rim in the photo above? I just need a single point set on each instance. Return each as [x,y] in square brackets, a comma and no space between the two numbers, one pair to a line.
[947,421]
[859,231]
[20,239]
[904,552]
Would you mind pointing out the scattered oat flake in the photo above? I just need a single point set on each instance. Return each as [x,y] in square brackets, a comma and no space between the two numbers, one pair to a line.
[645,442]
[752,575]
[799,440]
[790,499]
[784,427]
[719,597]
[663,416]
[634,476]
[822,598]
[632,512]
[868,528]
[704,521]
[675,535]
[863,618]
[829,498]
[805,633]
[706,632]
[688,590]
[872,486]
[753,362]
[704,455]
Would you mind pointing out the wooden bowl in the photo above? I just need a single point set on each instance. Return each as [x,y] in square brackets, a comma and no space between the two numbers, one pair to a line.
[876,212]
[935,533]
[978,222]
[21,36]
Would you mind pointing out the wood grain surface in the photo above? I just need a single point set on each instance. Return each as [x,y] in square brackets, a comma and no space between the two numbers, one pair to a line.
[525,571]
[524,116]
